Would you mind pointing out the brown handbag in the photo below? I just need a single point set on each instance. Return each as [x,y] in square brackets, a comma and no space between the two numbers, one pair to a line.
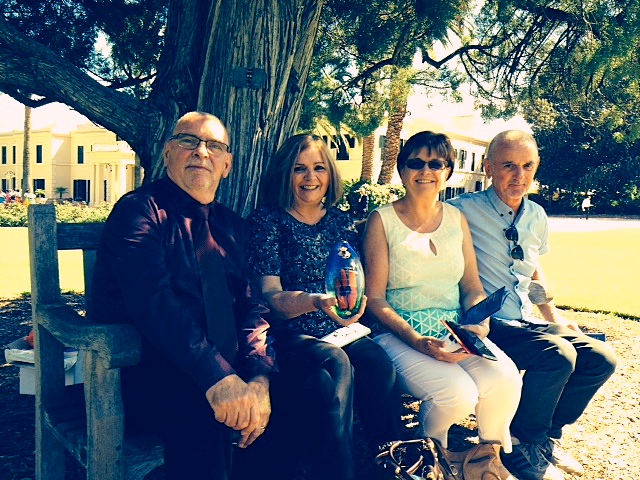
[479,462]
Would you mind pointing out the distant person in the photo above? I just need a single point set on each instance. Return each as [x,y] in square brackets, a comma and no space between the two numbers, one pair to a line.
[29,197]
[586,206]
[564,368]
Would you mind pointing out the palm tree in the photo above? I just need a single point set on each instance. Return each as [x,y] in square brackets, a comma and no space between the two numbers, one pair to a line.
[61,191]
[26,152]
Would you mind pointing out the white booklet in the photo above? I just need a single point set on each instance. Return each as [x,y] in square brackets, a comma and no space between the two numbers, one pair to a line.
[345,335]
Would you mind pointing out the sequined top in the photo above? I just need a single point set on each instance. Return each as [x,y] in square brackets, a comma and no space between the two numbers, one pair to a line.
[279,245]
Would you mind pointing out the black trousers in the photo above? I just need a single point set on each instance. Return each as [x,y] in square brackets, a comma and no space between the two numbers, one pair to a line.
[160,399]
[311,424]
[313,399]
[563,371]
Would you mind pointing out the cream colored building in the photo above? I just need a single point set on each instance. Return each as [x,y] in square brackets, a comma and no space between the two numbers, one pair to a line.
[90,162]
[469,142]
[94,166]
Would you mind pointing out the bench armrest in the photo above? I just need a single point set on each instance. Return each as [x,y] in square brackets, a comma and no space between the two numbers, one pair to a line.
[117,345]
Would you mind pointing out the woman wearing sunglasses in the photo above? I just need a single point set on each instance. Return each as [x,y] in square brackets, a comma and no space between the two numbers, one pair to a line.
[420,269]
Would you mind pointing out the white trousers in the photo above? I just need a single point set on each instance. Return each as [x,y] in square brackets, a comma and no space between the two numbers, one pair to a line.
[452,391]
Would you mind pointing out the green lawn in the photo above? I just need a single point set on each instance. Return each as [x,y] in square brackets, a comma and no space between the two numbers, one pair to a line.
[14,264]
[595,270]
[589,270]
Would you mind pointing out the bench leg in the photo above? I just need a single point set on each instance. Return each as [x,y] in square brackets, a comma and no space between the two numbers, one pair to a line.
[105,420]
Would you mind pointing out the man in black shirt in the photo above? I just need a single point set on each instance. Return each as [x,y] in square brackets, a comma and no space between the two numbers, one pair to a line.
[171,263]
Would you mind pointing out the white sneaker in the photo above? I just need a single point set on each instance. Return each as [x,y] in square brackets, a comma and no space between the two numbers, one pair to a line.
[553,473]
[565,462]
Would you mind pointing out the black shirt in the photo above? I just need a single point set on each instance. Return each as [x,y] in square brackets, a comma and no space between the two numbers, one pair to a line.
[146,274]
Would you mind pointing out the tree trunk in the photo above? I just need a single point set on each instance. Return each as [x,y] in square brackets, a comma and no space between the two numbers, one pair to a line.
[368,144]
[392,145]
[277,38]
[26,152]
[205,44]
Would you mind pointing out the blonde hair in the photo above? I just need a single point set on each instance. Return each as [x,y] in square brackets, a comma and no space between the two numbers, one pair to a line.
[277,183]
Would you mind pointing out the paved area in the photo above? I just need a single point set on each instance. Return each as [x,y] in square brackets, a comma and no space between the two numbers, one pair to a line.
[575,224]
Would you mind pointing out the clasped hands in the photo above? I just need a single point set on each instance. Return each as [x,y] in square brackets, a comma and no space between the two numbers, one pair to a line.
[242,406]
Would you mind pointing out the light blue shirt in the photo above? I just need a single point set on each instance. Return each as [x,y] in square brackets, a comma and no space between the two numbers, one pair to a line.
[488,218]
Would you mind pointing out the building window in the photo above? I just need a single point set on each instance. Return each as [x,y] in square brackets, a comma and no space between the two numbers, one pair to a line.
[81,190]
[38,184]
[80,154]
[343,150]
[448,193]
[461,159]
[5,185]
[14,154]
[4,155]
[482,164]
[478,186]
[38,153]
[473,161]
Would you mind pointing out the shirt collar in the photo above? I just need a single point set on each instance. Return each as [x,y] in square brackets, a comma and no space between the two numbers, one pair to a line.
[502,208]
[181,199]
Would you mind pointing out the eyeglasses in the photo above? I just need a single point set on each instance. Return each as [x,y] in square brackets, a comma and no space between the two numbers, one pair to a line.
[417,164]
[191,142]
[511,234]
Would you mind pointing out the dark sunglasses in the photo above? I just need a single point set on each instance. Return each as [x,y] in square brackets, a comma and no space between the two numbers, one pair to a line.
[417,164]
[511,234]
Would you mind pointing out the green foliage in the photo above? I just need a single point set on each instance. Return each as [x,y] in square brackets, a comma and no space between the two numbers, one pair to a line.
[363,197]
[133,30]
[550,59]
[15,214]
[579,157]
[61,191]
[73,213]
[361,48]
[68,29]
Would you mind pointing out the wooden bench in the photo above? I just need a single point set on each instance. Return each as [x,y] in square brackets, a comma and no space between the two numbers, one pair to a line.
[88,420]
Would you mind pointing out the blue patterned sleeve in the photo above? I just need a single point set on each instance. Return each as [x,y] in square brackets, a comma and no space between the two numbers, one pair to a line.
[263,242]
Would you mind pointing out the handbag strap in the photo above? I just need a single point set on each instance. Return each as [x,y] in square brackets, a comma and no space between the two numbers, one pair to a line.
[426,464]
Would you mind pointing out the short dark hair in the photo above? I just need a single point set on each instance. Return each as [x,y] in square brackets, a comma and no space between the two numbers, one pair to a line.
[437,143]
[277,183]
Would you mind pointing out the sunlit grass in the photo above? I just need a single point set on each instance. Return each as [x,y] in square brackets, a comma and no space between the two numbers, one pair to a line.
[586,270]
[14,264]
[595,270]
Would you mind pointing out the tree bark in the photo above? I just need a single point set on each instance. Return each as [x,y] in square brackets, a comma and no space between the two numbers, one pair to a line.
[205,42]
[392,145]
[368,144]
[26,152]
